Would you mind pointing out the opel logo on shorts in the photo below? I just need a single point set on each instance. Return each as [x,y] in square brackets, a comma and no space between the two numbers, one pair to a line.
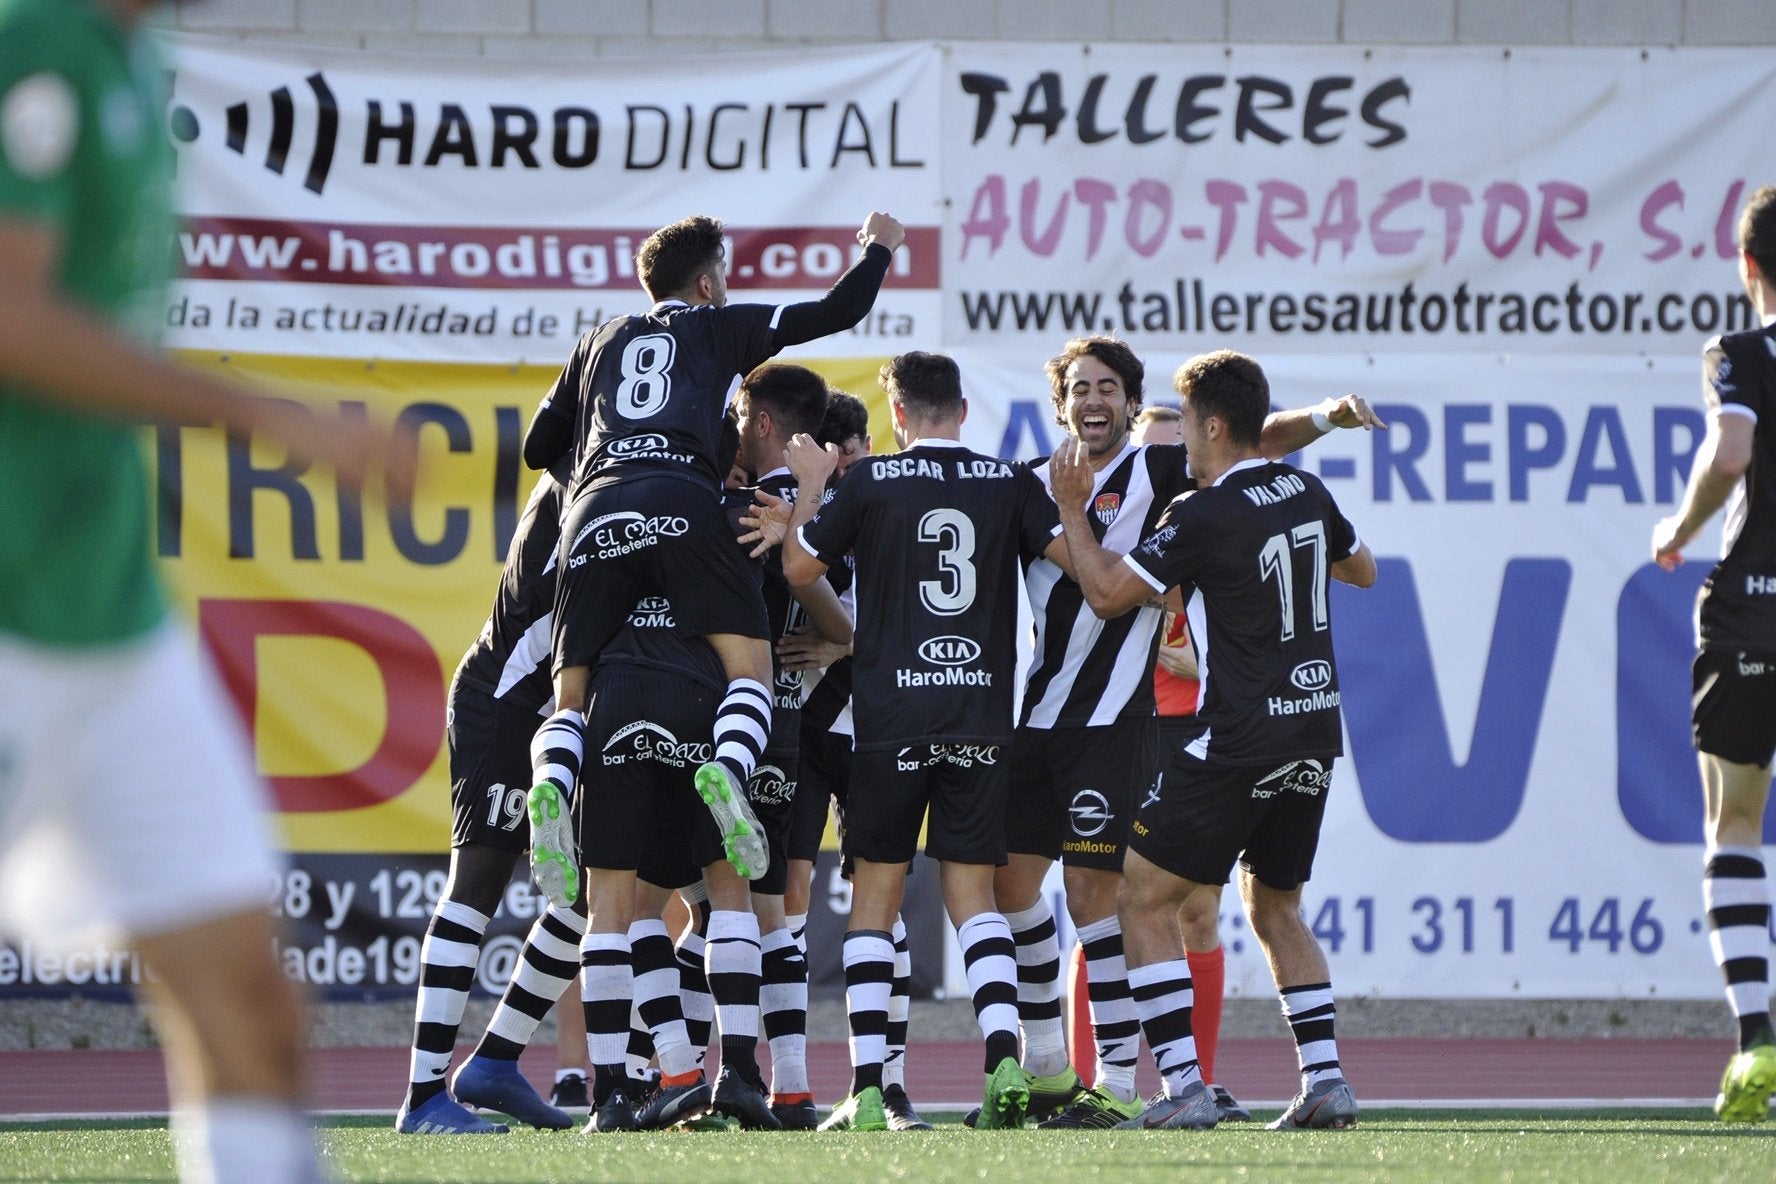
[1090,812]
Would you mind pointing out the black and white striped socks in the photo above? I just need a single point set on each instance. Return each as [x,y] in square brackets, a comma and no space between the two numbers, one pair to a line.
[1735,893]
[742,726]
[556,751]
[1164,996]
[447,969]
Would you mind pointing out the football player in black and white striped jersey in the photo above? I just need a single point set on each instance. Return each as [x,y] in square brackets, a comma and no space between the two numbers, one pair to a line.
[1086,746]
[1251,551]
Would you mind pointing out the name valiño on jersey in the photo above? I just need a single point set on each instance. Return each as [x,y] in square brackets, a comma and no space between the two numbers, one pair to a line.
[1285,486]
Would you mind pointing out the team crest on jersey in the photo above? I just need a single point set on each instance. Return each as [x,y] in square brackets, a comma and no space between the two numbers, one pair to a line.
[1107,506]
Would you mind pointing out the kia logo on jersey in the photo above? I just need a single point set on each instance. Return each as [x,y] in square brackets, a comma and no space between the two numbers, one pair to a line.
[1312,676]
[949,650]
[653,441]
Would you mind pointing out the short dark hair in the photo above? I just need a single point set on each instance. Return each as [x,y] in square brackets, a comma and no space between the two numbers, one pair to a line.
[794,395]
[1757,230]
[672,257]
[928,385]
[847,416]
[1112,352]
[1230,385]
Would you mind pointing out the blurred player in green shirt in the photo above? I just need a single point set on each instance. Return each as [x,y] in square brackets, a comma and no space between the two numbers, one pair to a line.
[129,807]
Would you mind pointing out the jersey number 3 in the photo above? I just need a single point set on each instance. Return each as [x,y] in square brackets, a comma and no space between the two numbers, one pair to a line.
[646,382]
[954,535]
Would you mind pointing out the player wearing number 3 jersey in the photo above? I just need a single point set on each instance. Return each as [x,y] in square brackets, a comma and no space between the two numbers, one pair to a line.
[1253,550]
[937,532]
[639,407]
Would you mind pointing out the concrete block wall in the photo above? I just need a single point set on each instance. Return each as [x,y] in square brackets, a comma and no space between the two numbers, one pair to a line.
[617,28]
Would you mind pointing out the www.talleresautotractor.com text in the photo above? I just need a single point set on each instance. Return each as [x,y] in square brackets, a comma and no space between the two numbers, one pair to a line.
[1193,305]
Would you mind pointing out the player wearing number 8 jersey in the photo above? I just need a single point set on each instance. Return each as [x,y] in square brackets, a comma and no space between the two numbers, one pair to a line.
[1253,549]
[937,532]
[639,408]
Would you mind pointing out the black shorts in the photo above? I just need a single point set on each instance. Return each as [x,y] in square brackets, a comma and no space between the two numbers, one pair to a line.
[1173,732]
[489,741]
[1199,819]
[652,536]
[772,790]
[1076,789]
[963,787]
[638,807]
[1733,706]
[822,782]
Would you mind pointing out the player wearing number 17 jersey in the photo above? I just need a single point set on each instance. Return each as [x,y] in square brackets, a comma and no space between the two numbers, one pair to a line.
[937,532]
[1252,549]
[639,407]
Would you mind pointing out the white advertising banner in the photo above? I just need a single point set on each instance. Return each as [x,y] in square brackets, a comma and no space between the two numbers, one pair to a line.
[1518,812]
[1340,198]
[1514,256]
[481,210]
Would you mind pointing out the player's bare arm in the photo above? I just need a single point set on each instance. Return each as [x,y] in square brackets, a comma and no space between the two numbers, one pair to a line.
[1058,553]
[1177,658]
[826,612]
[813,466]
[1356,569]
[95,368]
[803,648]
[1110,586]
[1291,431]
[1720,464]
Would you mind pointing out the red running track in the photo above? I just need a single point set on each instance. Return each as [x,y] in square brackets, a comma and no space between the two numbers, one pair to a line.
[1634,1071]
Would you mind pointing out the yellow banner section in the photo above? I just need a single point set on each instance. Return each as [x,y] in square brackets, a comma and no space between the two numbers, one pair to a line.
[336,620]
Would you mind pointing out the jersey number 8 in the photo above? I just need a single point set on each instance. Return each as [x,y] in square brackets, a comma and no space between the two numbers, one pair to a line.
[646,384]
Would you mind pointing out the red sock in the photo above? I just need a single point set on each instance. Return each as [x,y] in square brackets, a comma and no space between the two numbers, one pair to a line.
[1208,975]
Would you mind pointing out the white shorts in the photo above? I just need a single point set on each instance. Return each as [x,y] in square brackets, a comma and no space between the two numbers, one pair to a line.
[128,801]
